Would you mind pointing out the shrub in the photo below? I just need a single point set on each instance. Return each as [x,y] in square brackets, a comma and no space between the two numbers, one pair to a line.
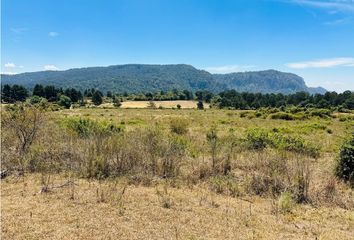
[212,139]
[151,105]
[116,102]
[24,123]
[85,127]
[179,126]
[322,113]
[345,163]
[179,106]
[295,144]
[247,114]
[34,99]
[258,114]
[200,105]
[286,202]
[257,138]
[164,196]
[64,101]
[243,114]
[283,116]
[225,185]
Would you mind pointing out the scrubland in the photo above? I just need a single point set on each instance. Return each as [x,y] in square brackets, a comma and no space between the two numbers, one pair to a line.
[105,173]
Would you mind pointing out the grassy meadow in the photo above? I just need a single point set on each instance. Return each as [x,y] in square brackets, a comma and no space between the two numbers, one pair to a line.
[139,173]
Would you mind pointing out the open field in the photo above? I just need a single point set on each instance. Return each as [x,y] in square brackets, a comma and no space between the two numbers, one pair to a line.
[164,104]
[151,175]
[196,213]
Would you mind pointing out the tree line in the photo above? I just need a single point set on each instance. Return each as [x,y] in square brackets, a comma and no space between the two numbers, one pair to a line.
[234,99]
[225,99]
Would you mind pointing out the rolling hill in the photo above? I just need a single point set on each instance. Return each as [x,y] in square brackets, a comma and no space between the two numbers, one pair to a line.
[151,78]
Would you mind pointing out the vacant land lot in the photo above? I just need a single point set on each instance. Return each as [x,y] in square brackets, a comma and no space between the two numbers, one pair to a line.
[177,174]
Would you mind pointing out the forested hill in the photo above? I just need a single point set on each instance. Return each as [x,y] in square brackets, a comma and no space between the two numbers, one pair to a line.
[269,81]
[152,78]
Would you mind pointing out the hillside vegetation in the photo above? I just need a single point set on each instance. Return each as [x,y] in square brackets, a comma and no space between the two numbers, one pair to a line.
[137,78]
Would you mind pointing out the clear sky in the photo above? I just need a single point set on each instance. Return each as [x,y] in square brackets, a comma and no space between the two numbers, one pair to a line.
[312,38]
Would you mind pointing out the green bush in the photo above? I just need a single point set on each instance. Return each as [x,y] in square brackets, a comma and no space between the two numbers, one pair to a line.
[248,114]
[286,202]
[116,102]
[64,101]
[322,113]
[294,144]
[179,126]
[287,116]
[346,118]
[34,99]
[345,163]
[258,139]
[85,127]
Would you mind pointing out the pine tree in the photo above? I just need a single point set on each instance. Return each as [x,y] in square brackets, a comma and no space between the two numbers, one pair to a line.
[97,98]
[38,90]
[6,94]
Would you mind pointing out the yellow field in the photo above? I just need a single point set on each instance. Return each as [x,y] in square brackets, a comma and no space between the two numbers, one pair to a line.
[164,104]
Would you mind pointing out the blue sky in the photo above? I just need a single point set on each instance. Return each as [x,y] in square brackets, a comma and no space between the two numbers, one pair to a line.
[312,38]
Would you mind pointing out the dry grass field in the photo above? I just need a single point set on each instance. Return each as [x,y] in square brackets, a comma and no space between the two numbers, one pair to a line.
[57,200]
[164,104]
[80,212]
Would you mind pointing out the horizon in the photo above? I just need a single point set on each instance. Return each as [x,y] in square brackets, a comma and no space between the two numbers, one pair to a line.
[310,38]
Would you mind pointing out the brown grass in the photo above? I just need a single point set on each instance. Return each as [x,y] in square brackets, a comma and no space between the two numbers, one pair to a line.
[195,214]
[173,191]
[165,104]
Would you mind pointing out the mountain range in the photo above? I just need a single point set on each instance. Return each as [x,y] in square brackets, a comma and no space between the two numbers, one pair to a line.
[134,78]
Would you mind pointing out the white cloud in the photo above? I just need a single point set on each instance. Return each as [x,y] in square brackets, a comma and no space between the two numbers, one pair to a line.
[10,65]
[323,63]
[53,34]
[50,67]
[8,73]
[337,22]
[18,30]
[331,5]
[228,68]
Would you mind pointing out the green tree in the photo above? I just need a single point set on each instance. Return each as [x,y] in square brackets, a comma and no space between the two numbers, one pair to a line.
[19,93]
[97,98]
[51,93]
[6,94]
[38,90]
[64,101]
[200,105]
[345,165]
